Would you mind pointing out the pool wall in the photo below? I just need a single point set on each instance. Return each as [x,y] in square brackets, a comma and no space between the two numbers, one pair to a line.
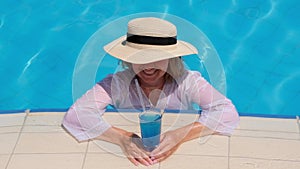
[258,42]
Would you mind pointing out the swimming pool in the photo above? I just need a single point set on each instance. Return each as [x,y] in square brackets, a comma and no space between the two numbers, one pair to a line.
[257,42]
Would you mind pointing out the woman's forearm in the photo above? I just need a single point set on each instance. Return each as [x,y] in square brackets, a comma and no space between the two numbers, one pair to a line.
[114,135]
[193,131]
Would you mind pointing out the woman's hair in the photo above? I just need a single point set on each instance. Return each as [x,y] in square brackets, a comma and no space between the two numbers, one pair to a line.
[175,69]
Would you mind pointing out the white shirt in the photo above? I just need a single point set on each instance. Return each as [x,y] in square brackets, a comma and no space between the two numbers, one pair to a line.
[84,119]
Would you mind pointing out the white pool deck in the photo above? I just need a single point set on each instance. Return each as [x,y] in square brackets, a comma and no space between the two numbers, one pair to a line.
[37,141]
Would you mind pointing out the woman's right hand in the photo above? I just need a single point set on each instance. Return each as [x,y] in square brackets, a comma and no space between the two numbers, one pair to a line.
[132,147]
[130,143]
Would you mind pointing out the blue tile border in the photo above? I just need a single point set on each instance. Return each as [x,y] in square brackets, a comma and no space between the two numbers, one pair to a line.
[242,114]
[12,111]
[49,110]
[107,110]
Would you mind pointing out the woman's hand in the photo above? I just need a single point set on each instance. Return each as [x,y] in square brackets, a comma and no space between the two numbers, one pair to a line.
[170,141]
[132,148]
[130,144]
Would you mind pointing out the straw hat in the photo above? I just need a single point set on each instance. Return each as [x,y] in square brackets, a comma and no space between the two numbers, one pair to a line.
[149,40]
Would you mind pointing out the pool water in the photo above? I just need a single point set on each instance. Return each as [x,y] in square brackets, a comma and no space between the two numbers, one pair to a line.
[258,43]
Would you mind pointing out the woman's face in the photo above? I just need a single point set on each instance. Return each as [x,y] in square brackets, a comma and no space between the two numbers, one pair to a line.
[151,74]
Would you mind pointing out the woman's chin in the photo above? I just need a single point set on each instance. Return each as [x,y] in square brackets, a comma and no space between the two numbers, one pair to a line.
[150,79]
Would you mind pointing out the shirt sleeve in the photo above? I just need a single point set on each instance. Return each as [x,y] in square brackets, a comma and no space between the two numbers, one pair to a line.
[218,112]
[84,118]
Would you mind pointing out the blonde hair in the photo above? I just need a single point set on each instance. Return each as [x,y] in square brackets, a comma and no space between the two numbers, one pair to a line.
[175,69]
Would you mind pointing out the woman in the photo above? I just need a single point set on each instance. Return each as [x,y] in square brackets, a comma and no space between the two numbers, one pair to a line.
[151,54]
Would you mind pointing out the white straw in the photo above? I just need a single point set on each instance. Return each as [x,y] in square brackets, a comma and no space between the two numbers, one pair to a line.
[140,94]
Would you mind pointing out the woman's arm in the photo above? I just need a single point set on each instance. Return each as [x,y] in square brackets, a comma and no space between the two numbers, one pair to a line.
[193,131]
[130,144]
[84,118]
[218,116]
[218,112]
[171,140]
[84,121]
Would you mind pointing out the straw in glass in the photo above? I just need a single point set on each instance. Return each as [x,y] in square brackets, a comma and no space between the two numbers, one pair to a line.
[140,94]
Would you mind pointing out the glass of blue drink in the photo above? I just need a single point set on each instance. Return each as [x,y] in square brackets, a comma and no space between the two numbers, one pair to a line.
[150,124]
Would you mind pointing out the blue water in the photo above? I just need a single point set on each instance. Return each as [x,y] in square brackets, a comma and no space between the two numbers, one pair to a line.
[258,42]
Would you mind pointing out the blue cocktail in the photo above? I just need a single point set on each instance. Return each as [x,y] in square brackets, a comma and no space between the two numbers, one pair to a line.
[150,123]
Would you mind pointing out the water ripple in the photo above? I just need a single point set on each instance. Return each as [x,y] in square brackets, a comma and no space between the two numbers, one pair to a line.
[93,2]
[287,83]
[2,21]
[29,62]
[166,11]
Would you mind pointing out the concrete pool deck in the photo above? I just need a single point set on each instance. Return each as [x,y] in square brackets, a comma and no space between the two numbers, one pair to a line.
[37,141]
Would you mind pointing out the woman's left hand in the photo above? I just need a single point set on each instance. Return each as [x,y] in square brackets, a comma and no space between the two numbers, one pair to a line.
[171,140]
[169,143]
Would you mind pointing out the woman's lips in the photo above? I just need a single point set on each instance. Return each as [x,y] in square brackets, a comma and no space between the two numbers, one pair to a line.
[149,72]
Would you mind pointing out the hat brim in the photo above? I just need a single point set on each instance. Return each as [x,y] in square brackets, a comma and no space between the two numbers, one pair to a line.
[142,54]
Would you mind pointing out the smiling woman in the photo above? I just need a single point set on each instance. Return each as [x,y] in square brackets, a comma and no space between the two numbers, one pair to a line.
[154,77]
[151,75]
